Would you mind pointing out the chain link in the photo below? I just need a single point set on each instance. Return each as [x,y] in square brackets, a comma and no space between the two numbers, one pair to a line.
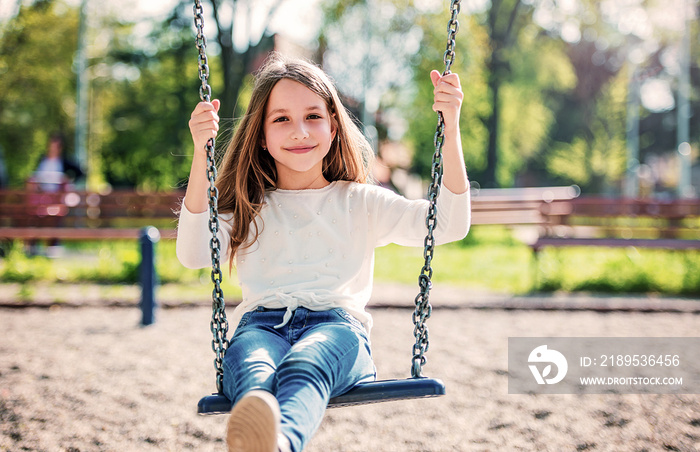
[219,324]
[423,308]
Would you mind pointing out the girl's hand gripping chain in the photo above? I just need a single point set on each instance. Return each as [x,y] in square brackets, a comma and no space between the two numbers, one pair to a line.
[448,98]
[204,124]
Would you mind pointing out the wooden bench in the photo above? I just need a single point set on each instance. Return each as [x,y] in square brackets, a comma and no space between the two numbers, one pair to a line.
[80,215]
[31,215]
[120,214]
[516,206]
[611,222]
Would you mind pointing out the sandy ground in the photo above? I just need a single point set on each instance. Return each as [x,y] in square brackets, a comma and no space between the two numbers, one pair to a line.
[91,379]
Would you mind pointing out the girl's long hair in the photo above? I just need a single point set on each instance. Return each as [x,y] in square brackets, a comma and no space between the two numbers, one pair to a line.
[247,171]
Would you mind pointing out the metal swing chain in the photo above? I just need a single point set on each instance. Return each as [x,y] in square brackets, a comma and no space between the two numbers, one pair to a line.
[422,301]
[219,324]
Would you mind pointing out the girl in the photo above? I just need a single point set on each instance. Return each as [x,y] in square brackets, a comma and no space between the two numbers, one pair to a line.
[301,224]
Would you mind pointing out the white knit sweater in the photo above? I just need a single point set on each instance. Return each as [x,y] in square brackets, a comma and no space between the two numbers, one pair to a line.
[316,247]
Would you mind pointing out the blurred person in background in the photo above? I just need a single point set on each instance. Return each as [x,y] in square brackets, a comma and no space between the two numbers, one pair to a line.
[55,174]
[55,171]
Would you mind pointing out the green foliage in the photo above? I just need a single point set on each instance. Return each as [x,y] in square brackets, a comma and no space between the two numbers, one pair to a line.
[619,270]
[471,51]
[373,72]
[104,262]
[691,275]
[596,160]
[561,117]
[540,72]
[149,146]
[537,71]
[142,90]
[116,262]
[17,267]
[481,235]
[37,84]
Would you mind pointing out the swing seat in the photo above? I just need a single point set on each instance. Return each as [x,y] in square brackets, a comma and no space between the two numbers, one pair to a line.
[364,393]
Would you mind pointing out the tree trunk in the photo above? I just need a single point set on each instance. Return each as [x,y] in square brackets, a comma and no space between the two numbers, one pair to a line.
[502,35]
[234,69]
[492,124]
[235,64]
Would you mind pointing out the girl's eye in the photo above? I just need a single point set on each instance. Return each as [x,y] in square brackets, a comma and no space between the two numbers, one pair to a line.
[314,116]
[280,119]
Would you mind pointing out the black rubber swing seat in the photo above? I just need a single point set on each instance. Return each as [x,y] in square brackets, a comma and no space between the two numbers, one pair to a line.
[364,393]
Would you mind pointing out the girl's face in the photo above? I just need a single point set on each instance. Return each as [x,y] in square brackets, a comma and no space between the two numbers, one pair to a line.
[298,133]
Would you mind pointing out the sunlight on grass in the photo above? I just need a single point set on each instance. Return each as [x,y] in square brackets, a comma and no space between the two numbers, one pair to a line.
[494,267]
[490,258]
[620,270]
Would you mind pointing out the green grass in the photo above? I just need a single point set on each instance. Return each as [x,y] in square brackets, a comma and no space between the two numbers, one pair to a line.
[628,270]
[490,259]
[493,267]
[108,262]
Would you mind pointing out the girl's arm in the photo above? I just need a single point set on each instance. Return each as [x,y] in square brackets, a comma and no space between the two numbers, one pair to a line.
[193,236]
[448,99]
[204,124]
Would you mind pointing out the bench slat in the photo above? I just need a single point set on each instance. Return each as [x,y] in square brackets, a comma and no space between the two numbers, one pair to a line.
[608,222]
[78,233]
[674,244]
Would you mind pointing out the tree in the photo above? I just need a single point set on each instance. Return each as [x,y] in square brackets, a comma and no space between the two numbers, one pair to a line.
[610,44]
[469,63]
[374,69]
[504,21]
[386,71]
[147,96]
[37,84]
[540,75]
[501,135]
[587,147]
[238,62]
[595,155]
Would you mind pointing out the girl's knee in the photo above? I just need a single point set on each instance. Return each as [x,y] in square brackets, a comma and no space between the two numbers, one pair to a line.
[242,374]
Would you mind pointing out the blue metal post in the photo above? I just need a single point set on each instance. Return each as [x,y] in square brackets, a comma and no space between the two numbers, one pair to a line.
[149,237]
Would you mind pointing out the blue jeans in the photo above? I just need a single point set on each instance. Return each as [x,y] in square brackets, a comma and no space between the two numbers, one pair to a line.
[317,355]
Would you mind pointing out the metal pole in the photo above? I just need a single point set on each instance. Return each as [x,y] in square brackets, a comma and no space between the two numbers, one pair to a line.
[631,188]
[149,279]
[367,116]
[81,121]
[685,188]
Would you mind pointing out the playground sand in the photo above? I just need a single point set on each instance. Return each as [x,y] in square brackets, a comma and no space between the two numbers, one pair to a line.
[91,379]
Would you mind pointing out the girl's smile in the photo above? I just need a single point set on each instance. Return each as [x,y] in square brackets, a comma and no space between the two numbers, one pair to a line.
[300,149]
[298,132]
